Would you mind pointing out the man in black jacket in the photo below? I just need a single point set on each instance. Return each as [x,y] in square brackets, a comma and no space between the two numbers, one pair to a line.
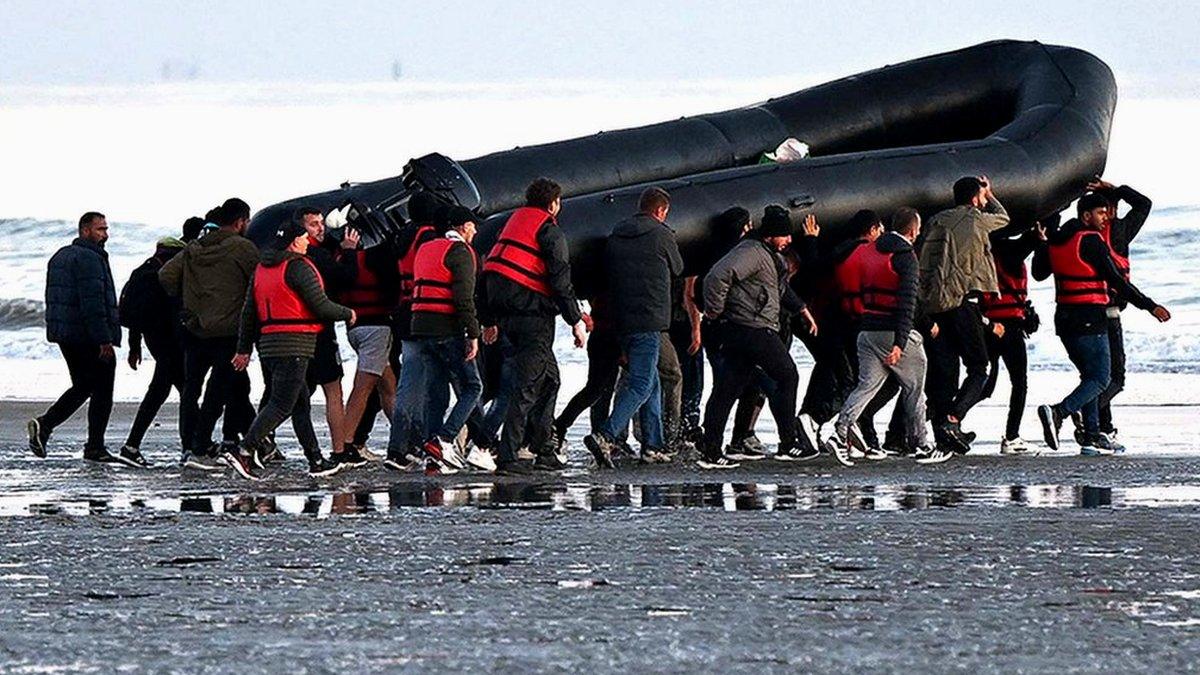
[149,313]
[887,343]
[1085,273]
[81,317]
[641,259]
[526,283]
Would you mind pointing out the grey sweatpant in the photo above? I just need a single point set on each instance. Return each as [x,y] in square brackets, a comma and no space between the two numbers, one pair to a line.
[873,348]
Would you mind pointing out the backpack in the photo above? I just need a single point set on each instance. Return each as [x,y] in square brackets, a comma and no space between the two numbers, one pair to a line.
[143,299]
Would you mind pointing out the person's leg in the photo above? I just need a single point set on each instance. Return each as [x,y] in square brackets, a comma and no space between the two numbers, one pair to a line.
[1116,348]
[195,370]
[541,417]
[866,420]
[287,375]
[410,400]
[590,393]
[642,352]
[302,423]
[166,375]
[909,373]
[81,365]
[335,414]
[101,402]
[216,392]
[995,348]
[873,347]
[1090,355]
[529,370]
[972,349]
[691,368]
[735,371]
[468,385]
[670,381]
[941,377]
[1016,362]
[489,426]
[366,423]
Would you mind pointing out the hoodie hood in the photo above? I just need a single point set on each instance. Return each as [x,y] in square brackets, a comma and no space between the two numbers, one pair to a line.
[639,225]
[1065,231]
[273,257]
[890,242]
[215,248]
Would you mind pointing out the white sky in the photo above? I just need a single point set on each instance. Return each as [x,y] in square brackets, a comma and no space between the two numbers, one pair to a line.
[60,41]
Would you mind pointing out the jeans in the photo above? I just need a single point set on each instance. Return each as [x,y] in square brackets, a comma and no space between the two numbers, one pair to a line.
[873,348]
[91,378]
[1116,349]
[1091,357]
[289,397]
[691,368]
[961,335]
[1010,349]
[228,391]
[642,390]
[447,369]
[168,372]
[484,423]
[745,354]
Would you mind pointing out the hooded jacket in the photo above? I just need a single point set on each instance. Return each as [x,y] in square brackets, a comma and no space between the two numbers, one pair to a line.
[211,275]
[744,287]
[904,263]
[81,301]
[641,258]
[956,256]
[302,279]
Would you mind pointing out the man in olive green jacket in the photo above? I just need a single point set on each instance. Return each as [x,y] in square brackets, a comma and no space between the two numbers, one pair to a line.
[956,269]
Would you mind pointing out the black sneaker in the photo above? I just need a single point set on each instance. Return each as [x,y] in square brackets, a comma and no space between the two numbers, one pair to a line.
[716,461]
[37,439]
[950,435]
[241,463]
[270,454]
[748,449]
[896,447]
[1051,424]
[623,449]
[602,449]
[349,458]
[516,468]
[548,462]
[133,457]
[319,467]
[655,456]
[796,453]
[404,464]
[201,461]
[100,456]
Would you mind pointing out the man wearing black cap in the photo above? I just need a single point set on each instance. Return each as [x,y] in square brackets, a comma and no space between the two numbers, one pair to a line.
[285,309]
[641,260]
[745,291]
[1085,274]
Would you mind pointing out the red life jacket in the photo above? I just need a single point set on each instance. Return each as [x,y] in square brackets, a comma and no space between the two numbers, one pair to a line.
[848,278]
[280,308]
[405,264]
[517,255]
[1122,261]
[1075,281]
[366,296]
[880,282]
[1009,303]
[433,282]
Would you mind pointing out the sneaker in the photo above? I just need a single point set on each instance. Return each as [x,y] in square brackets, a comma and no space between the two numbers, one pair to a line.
[444,455]
[241,463]
[896,447]
[349,458]
[1091,450]
[936,455]
[549,462]
[601,448]
[482,459]
[256,458]
[37,439]
[365,452]
[875,454]
[748,449]
[715,461]
[100,456]
[953,438]
[1081,437]
[131,456]
[810,432]
[405,464]
[515,468]
[1109,442]
[319,467]
[796,453]
[270,454]
[838,445]
[655,456]
[1013,446]
[1051,424]
[201,461]
[623,449]
[858,445]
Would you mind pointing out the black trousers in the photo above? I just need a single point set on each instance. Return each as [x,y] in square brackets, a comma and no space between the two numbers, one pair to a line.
[91,379]
[530,417]
[961,337]
[1116,383]
[167,352]
[1011,350]
[834,371]
[691,366]
[751,399]
[745,353]
[228,392]
[604,357]
[289,397]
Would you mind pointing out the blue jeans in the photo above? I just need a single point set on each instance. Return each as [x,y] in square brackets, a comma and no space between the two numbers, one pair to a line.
[485,421]
[641,390]
[1090,354]
[432,365]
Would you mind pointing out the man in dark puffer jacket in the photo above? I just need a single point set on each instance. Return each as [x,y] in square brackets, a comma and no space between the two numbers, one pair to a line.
[81,317]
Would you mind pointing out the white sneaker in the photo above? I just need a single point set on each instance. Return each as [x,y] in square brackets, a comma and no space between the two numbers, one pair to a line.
[368,455]
[839,446]
[935,456]
[810,431]
[461,443]
[1013,446]
[858,446]
[451,457]
[481,459]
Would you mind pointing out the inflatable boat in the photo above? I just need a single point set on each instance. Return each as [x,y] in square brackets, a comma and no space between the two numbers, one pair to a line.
[1035,118]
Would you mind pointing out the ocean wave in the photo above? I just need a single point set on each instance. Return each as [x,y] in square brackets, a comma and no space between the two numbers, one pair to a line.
[21,313]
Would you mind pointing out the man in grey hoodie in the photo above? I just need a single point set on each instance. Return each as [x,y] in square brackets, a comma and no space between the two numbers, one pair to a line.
[641,258]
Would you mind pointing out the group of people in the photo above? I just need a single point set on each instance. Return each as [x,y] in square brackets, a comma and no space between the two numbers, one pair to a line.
[455,345]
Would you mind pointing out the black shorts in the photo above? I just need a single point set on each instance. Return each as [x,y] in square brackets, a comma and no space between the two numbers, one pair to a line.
[326,364]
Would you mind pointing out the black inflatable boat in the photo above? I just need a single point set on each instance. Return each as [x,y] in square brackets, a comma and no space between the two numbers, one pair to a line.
[1033,117]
